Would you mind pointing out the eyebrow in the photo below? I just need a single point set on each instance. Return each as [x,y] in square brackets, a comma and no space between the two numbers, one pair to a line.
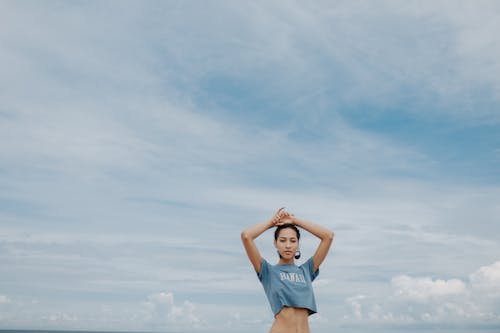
[282,237]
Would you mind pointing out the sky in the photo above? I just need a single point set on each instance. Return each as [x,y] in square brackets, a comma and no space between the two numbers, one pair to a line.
[139,138]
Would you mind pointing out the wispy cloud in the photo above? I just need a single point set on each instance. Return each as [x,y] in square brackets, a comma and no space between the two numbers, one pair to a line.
[137,140]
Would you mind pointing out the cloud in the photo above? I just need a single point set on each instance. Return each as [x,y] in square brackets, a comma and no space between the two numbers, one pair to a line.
[4,299]
[355,304]
[163,312]
[137,148]
[420,301]
[59,319]
[324,55]
[422,289]
[486,280]
[317,54]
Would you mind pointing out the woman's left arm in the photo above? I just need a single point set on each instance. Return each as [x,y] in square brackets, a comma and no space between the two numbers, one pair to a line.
[326,236]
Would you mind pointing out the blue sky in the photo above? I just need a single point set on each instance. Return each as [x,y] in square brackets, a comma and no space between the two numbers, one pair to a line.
[139,138]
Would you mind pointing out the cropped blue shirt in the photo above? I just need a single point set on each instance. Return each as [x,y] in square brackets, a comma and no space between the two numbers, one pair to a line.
[289,285]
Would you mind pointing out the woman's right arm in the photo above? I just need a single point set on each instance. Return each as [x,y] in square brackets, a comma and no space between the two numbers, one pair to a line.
[248,235]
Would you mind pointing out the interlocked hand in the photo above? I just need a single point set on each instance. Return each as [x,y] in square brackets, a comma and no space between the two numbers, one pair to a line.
[281,217]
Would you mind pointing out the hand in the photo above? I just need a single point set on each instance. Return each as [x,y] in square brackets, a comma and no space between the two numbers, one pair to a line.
[281,217]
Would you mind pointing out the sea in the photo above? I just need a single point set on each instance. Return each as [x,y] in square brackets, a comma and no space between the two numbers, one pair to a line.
[83,331]
[6,330]
[486,329]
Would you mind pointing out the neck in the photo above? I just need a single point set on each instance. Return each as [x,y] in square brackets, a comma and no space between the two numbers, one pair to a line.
[286,261]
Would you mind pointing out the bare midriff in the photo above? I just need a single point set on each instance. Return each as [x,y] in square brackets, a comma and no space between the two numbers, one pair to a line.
[290,320]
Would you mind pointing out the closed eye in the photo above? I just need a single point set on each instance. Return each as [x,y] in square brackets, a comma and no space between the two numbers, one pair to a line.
[293,240]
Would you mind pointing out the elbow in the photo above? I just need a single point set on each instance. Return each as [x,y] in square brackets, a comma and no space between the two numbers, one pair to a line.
[327,236]
[244,236]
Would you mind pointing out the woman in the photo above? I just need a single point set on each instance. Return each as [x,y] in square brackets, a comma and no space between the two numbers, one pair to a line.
[288,286]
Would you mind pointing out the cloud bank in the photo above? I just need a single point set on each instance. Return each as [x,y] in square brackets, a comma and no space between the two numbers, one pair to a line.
[428,302]
[139,139]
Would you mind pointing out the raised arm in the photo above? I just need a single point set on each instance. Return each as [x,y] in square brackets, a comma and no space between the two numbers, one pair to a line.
[248,235]
[326,236]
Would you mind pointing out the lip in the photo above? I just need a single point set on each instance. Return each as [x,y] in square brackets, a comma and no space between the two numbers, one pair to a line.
[288,252]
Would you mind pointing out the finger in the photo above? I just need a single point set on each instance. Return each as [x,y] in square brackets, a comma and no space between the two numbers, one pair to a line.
[285,212]
[277,214]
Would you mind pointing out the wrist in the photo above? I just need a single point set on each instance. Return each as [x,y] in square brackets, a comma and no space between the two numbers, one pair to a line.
[296,221]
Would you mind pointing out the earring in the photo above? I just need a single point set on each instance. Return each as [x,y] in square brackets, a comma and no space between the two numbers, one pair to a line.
[297,254]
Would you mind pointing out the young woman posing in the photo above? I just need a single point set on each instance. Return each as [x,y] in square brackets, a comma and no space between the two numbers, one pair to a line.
[288,286]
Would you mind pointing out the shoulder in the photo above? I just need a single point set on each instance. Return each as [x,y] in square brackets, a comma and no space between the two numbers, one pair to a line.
[265,267]
[307,263]
[308,267]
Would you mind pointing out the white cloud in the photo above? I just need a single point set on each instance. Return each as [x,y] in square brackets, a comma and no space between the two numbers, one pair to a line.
[4,299]
[58,318]
[422,300]
[93,114]
[440,52]
[423,289]
[486,280]
[164,312]
[356,306]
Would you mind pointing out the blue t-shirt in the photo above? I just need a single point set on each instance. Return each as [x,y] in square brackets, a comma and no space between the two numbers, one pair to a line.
[289,285]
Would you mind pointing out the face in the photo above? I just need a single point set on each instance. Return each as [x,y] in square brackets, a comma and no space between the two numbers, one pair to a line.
[287,243]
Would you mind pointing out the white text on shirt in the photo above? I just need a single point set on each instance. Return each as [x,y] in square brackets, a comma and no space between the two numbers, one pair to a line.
[293,277]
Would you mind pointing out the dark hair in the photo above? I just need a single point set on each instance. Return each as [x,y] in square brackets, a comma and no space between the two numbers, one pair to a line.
[284,226]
